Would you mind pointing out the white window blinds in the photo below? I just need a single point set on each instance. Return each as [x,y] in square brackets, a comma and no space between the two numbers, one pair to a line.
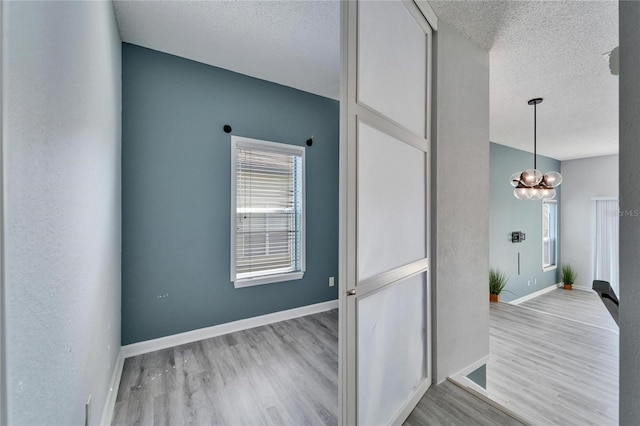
[269,214]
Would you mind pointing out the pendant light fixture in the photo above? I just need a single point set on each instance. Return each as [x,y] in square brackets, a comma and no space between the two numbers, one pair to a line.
[532,184]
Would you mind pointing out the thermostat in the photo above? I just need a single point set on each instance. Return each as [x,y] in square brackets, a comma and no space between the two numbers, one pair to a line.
[517,237]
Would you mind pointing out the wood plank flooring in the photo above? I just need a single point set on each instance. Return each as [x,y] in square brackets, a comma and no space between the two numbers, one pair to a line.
[547,369]
[578,305]
[449,404]
[280,374]
[551,370]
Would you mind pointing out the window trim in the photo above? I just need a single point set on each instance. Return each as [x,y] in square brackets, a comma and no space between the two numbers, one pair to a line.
[279,148]
[554,265]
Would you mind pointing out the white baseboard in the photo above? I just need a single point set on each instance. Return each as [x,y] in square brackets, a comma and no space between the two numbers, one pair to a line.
[114,385]
[534,294]
[411,403]
[472,367]
[580,287]
[467,383]
[484,397]
[226,328]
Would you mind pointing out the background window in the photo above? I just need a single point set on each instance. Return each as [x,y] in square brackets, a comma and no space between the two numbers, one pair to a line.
[606,242]
[267,201]
[549,234]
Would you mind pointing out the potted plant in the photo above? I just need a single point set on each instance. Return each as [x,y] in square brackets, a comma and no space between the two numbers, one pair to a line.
[569,276]
[497,282]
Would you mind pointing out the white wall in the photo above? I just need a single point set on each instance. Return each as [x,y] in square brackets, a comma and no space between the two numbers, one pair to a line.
[62,92]
[577,221]
[629,225]
[460,225]
[3,357]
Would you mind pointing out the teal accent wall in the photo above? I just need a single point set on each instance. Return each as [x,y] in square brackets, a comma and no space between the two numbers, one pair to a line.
[176,189]
[508,214]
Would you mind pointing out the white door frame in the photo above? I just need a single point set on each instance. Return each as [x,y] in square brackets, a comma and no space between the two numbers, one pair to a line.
[350,112]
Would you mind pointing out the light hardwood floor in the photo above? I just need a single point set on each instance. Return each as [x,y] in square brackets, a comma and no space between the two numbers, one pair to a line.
[578,305]
[547,369]
[280,374]
[448,404]
[550,370]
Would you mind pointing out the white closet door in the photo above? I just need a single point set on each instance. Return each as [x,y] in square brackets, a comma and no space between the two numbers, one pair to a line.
[385,230]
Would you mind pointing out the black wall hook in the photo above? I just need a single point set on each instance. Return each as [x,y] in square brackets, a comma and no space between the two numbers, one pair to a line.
[227,128]
[310,141]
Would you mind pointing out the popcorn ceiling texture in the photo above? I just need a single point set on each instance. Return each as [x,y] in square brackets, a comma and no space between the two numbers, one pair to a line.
[293,43]
[553,50]
[549,49]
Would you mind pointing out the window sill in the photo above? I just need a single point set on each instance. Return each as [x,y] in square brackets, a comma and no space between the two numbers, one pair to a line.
[549,268]
[268,279]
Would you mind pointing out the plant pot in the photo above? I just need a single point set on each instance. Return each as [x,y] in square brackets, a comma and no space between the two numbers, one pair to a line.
[494,298]
[568,286]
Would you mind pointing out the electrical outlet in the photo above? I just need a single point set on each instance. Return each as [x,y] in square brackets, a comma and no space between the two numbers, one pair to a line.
[331,282]
[528,283]
[535,281]
[87,406]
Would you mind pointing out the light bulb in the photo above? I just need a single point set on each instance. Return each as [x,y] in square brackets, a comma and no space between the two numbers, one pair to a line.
[515,179]
[536,194]
[520,193]
[548,193]
[531,177]
[552,179]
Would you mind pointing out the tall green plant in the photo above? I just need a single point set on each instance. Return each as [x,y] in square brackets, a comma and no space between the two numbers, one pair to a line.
[497,281]
[569,275]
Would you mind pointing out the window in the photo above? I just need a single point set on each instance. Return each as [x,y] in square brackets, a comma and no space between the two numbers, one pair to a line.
[549,234]
[267,212]
[606,241]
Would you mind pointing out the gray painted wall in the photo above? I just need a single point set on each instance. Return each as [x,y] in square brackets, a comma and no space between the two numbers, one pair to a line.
[509,214]
[629,224]
[460,220]
[62,91]
[577,209]
[176,192]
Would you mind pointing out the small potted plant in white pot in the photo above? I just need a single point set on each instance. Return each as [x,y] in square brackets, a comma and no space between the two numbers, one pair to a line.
[569,276]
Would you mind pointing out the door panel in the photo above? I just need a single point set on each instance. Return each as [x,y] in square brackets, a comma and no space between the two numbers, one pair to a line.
[392,63]
[391,202]
[390,344]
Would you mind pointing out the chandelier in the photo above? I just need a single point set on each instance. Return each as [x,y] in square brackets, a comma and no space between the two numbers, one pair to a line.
[532,184]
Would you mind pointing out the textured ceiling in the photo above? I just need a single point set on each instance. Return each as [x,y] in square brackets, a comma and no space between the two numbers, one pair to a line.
[294,43]
[553,50]
[548,49]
